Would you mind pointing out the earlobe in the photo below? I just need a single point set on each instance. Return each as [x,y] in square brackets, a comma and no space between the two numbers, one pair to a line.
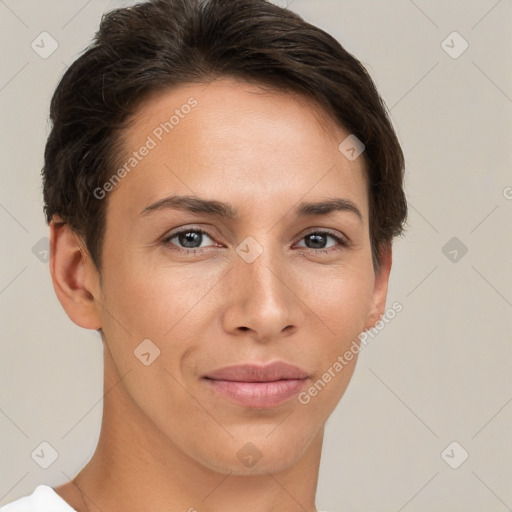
[74,276]
[380,289]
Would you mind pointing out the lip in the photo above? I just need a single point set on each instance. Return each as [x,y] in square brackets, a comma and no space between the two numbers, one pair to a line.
[254,385]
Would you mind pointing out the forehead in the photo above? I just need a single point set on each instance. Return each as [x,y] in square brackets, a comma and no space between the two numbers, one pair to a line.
[237,143]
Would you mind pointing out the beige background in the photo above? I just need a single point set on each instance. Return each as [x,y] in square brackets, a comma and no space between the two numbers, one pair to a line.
[440,372]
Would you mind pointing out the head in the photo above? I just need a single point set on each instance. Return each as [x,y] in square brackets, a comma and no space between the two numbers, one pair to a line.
[245,109]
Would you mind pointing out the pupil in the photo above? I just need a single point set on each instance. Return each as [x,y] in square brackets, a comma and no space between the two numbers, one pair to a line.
[188,239]
[318,241]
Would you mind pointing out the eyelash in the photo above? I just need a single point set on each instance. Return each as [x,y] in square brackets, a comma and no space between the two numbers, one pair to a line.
[343,242]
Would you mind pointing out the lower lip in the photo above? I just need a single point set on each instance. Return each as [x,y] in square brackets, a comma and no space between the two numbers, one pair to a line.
[258,394]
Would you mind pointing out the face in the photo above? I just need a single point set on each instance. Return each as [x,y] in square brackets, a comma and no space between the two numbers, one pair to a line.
[264,278]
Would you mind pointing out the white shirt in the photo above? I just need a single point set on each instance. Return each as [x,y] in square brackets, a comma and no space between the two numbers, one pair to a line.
[43,499]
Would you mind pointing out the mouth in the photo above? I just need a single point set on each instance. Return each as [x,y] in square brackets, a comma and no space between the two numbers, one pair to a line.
[259,386]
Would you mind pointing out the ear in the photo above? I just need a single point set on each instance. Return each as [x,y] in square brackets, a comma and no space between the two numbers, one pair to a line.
[74,275]
[380,289]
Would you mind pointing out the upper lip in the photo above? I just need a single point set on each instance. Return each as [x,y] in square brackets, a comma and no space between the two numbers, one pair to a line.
[277,370]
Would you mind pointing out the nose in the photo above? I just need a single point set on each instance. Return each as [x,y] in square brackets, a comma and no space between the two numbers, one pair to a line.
[261,296]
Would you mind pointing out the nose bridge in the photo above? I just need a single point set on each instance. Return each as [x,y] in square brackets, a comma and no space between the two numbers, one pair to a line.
[261,265]
[262,299]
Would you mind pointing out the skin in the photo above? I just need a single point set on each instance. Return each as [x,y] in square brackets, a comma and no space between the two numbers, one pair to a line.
[168,442]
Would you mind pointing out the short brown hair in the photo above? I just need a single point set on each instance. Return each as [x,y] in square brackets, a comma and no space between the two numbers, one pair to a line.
[158,44]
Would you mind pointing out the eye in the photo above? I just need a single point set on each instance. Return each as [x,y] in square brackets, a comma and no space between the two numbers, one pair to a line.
[316,241]
[189,239]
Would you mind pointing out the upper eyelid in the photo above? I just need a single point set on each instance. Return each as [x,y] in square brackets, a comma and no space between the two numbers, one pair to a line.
[167,236]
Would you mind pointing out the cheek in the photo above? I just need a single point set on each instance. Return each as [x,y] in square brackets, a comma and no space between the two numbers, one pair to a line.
[158,303]
[145,301]
[343,307]
[344,301]
[139,307]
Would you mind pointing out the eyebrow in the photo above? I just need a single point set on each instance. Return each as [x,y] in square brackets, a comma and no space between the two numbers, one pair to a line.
[225,210]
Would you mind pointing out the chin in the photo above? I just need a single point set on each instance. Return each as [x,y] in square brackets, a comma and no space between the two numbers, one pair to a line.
[260,456]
